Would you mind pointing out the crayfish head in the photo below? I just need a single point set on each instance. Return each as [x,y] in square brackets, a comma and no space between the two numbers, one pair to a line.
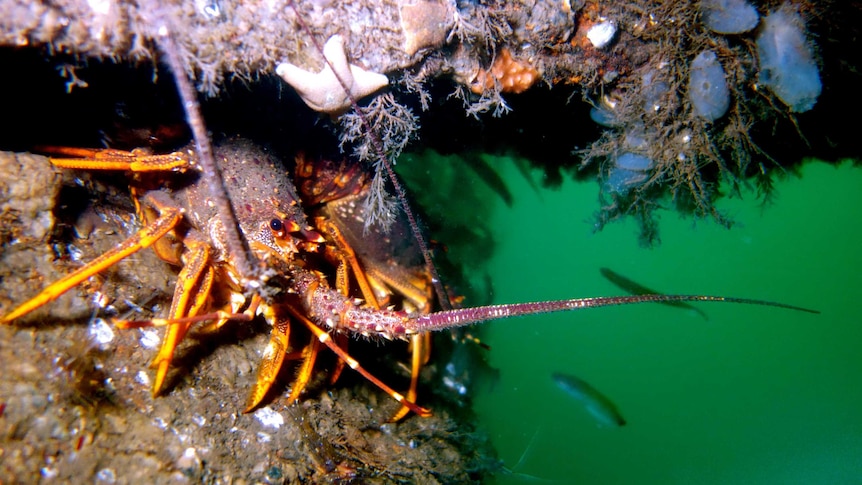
[283,237]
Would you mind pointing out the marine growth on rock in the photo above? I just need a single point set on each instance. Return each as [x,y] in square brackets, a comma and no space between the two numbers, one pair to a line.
[707,87]
[787,65]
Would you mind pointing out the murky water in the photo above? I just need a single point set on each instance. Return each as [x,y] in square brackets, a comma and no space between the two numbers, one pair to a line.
[751,395]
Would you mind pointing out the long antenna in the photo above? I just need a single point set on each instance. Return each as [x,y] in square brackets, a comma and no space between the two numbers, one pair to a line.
[236,246]
[442,295]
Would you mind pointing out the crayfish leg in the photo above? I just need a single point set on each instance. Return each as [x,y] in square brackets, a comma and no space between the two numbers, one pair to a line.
[145,237]
[138,160]
[420,345]
[347,258]
[326,339]
[304,373]
[191,294]
[414,288]
[341,341]
[273,357]
[231,311]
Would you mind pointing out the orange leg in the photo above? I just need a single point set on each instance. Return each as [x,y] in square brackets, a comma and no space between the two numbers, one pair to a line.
[416,291]
[347,257]
[341,341]
[230,311]
[309,353]
[304,374]
[273,357]
[107,159]
[138,160]
[374,289]
[190,295]
[325,339]
[148,235]
[375,284]
[419,344]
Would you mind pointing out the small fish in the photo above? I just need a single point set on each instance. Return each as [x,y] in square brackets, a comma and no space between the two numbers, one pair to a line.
[603,410]
[633,288]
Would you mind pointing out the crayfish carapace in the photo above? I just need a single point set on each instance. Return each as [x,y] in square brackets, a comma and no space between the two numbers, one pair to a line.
[180,224]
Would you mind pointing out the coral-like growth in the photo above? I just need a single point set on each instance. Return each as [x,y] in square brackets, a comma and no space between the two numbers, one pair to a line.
[394,125]
[477,26]
[489,100]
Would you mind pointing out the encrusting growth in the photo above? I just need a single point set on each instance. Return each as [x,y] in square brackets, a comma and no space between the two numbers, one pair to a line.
[512,75]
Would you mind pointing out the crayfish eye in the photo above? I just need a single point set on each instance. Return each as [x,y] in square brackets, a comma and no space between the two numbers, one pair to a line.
[276,225]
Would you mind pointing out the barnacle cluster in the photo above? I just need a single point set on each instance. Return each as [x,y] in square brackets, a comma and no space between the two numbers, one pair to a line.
[684,107]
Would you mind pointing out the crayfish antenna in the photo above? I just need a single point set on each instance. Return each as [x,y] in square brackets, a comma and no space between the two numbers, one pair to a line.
[376,143]
[236,245]
[468,316]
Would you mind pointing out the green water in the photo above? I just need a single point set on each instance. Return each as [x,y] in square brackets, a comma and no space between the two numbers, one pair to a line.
[753,395]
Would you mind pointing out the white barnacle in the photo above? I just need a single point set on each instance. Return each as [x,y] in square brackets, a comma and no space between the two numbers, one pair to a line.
[142,378]
[101,7]
[149,338]
[210,9]
[100,332]
[269,418]
[602,33]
